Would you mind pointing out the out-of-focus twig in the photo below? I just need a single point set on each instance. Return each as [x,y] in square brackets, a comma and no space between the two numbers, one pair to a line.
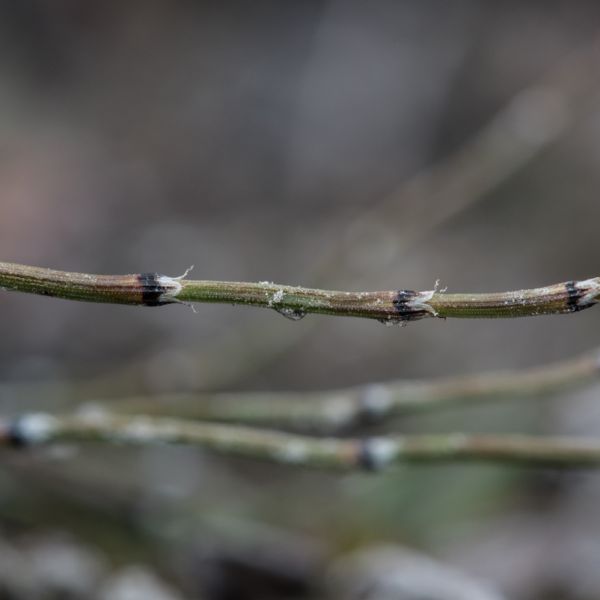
[342,409]
[536,117]
[371,453]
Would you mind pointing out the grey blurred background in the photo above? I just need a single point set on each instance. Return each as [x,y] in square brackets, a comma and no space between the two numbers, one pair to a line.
[342,144]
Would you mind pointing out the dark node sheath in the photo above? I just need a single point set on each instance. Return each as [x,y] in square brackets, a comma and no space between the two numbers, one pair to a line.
[573,297]
[404,310]
[14,435]
[364,456]
[152,290]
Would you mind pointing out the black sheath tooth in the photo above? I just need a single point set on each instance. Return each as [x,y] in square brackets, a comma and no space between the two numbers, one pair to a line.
[152,290]
[364,413]
[404,296]
[574,295]
[404,310]
[15,435]
[364,456]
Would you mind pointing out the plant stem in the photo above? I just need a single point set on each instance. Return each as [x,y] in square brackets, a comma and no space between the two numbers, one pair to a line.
[391,307]
[335,410]
[372,453]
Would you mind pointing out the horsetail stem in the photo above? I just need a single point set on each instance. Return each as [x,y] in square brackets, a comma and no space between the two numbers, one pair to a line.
[392,307]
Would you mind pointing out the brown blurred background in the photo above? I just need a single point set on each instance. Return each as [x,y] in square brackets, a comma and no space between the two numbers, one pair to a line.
[343,144]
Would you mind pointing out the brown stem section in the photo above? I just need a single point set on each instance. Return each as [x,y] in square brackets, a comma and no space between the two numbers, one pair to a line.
[149,289]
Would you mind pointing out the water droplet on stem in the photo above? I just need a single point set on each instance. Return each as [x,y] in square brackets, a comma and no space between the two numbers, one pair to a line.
[293,314]
[391,322]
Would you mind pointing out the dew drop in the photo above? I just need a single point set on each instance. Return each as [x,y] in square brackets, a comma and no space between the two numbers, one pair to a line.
[391,322]
[293,314]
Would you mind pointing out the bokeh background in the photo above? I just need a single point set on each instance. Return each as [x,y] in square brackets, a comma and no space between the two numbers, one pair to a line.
[344,144]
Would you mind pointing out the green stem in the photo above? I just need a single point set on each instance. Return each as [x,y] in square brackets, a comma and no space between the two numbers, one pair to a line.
[391,307]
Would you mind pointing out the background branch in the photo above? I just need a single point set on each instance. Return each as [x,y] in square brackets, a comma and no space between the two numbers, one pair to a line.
[371,453]
[364,404]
